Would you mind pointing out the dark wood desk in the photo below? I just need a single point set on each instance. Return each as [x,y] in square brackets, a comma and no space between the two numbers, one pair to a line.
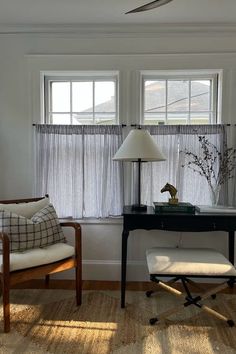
[148,220]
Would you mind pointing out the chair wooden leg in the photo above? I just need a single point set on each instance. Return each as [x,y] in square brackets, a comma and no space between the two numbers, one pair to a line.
[189,300]
[78,283]
[47,278]
[6,305]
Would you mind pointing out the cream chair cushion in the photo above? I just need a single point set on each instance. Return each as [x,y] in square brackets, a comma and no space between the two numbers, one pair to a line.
[188,261]
[39,256]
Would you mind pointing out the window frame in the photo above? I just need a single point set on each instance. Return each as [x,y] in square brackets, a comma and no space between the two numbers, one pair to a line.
[78,76]
[214,75]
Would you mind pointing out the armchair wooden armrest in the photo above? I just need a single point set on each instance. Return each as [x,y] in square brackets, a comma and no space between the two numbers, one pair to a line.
[5,252]
[76,226]
[5,279]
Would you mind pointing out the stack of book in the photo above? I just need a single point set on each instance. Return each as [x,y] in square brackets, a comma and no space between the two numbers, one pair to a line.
[186,208]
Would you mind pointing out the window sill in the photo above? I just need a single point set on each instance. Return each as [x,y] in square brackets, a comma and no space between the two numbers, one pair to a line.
[94,221]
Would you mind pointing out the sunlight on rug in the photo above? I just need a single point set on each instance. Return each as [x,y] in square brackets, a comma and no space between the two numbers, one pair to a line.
[48,321]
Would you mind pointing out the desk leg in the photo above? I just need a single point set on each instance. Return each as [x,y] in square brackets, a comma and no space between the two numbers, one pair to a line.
[125,235]
[231,246]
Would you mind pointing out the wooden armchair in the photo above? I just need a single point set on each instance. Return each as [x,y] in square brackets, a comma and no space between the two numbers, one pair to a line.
[10,276]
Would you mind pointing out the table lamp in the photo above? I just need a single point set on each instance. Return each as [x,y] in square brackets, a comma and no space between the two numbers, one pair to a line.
[139,146]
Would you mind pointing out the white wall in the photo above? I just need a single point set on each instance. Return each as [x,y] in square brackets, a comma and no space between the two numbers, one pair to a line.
[22,56]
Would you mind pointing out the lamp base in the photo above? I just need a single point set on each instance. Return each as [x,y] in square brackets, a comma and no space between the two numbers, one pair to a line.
[139,207]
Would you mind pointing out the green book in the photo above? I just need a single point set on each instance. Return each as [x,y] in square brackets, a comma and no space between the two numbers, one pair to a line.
[174,208]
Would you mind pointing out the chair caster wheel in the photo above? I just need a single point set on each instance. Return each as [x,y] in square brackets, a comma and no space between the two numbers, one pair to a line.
[230,323]
[213,296]
[149,293]
[152,321]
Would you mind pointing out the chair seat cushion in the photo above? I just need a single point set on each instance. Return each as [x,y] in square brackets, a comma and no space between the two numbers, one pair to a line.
[188,261]
[39,256]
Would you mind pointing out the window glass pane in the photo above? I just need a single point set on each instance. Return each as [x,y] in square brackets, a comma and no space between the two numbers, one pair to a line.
[178,95]
[60,96]
[200,95]
[177,118]
[154,95]
[82,118]
[82,96]
[200,118]
[189,100]
[104,118]
[60,119]
[154,118]
[104,96]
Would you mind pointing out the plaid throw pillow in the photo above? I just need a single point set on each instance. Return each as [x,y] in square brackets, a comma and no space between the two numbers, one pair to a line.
[43,229]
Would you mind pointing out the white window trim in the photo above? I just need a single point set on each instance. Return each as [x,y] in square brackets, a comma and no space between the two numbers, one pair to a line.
[47,76]
[214,75]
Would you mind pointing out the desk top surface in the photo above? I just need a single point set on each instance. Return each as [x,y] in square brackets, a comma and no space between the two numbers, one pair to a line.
[127,210]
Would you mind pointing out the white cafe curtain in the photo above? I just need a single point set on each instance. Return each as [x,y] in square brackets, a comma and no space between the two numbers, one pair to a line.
[74,166]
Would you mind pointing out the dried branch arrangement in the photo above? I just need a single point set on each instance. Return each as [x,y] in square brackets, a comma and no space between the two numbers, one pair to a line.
[216,166]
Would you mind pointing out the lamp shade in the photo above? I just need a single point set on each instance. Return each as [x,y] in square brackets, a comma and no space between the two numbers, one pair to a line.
[139,145]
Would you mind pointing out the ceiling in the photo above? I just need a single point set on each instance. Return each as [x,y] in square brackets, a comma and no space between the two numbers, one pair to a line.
[107,12]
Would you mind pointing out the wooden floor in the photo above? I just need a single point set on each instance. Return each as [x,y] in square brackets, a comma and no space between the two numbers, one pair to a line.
[87,285]
[104,285]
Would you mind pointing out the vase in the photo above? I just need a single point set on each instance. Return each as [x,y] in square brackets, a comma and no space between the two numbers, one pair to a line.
[214,194]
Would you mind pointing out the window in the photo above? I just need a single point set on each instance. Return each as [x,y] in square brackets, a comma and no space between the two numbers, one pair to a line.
[180,98]
[175,105]
[84,98]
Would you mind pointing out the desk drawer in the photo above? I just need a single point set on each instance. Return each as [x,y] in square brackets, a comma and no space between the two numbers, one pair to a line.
[180,222]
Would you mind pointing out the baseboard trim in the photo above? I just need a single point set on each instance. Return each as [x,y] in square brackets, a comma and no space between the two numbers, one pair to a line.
[103,285]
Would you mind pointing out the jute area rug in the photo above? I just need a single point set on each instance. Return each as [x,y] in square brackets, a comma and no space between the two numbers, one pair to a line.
[48,321]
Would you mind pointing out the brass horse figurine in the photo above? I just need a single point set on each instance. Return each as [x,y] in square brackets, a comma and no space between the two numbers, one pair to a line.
[173,191]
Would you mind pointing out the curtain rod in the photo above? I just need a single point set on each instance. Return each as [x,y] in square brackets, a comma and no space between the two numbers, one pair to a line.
[139,125]
[122,125]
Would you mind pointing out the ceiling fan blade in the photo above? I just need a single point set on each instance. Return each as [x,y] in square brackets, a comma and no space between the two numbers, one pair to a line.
[149,6]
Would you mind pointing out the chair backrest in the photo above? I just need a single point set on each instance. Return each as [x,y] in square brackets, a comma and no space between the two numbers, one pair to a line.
[18,201]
